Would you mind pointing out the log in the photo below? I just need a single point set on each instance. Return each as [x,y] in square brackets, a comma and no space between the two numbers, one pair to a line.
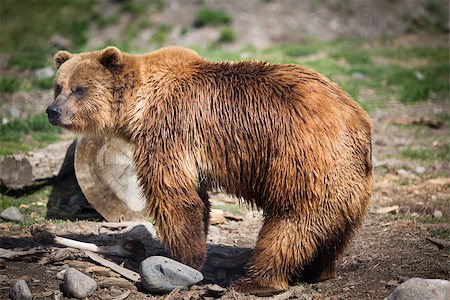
[32,169]
[105,172]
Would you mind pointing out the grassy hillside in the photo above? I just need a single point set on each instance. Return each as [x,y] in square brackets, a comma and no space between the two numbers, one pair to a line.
[374,72]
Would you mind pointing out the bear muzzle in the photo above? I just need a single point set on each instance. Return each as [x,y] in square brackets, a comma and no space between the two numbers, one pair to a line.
[53,114]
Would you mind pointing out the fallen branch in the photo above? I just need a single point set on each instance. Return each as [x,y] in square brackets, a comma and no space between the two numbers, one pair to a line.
[10,254]
[441,244]
[21,171]
[113,266]
[129,248]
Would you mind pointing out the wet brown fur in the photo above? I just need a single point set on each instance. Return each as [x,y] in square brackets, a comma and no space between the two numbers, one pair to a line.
[282,137]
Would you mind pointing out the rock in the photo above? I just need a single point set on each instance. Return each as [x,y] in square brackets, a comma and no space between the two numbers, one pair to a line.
[358,75]
[437,214]
[20,291]
[418,289]
[12,213]
[60,274]
[57,295]
[44,72]
[162,275]
[3,278]
[215,290]
[419,170]
[216,217]
[77,284]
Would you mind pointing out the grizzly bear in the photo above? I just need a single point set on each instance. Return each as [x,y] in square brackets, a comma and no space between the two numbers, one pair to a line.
[283,137]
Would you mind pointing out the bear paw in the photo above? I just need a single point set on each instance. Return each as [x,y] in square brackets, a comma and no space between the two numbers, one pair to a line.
[258,288]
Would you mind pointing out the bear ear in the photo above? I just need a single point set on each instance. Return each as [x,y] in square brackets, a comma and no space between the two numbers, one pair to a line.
[111,57]
[61,57]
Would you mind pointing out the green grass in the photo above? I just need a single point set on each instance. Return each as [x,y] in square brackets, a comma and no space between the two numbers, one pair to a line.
[227,35]
[211,17]
[441,153]
[9,85]
[28,26]
[33,206]
[25,134]
[440,233]
[161,34]
[14,84]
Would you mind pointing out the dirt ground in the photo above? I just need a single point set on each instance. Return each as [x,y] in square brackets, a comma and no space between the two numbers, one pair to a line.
[391,247]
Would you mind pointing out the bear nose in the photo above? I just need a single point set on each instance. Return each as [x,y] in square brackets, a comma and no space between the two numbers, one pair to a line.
[53,113]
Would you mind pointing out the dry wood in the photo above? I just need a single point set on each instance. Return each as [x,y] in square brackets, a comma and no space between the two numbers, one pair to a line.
[113,266]
[441,244]
[21,171]
[105,172]
[122,296]
[117,282]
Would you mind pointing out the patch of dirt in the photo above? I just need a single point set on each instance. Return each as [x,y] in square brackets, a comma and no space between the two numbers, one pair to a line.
[389,249]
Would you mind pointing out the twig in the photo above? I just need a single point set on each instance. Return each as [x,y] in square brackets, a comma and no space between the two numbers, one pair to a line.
[172,294]
[113,266]
[441,244]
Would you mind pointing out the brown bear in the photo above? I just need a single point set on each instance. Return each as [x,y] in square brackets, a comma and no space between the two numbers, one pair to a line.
[283,137]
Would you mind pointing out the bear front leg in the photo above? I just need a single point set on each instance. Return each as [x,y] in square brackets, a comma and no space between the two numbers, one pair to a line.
[170,183]
[182,230]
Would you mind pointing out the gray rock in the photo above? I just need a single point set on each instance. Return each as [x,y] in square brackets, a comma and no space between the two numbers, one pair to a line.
[419,170]
[12,213]
[437,214]
[44,72]
[358,75]
[77,284]
[161,275]
[20,291]
[419,289]
[60,274]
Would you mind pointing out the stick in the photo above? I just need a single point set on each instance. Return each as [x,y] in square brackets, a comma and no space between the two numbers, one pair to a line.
[75,244]
[113,266]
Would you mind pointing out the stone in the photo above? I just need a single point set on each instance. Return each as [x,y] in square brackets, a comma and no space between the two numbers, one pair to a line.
[161,275]
[77,284]
[437,214]
[12,213]
[60,274]
[20,291]
[215,290]
[44,72]
[419,288]
[419,170]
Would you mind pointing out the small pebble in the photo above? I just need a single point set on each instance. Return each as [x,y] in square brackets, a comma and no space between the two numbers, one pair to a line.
[437,214]
[419,170]
[12,213]
[60,274]
[77,284]
[20,291]
[215,290]
[162,275]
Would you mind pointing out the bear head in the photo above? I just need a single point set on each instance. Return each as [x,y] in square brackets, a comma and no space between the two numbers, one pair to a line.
[85,90]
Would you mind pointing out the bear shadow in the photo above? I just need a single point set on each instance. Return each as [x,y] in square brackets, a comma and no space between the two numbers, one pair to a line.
[224,264]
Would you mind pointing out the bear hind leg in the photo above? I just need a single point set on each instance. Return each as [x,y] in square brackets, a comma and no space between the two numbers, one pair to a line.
[323,266]
[282,248]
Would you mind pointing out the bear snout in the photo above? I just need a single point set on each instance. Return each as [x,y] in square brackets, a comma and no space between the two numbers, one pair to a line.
[53,114]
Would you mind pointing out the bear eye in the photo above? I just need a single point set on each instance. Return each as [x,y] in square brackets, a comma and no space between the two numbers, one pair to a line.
[79,91]
[57,90]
